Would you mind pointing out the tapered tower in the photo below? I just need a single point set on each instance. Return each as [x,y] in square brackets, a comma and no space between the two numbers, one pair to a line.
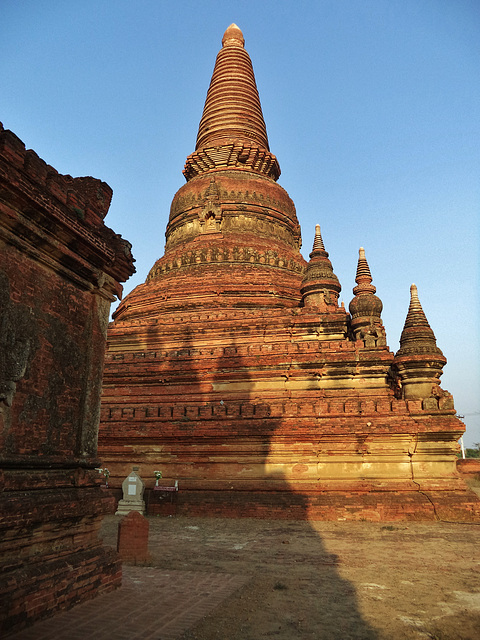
[366,307]
[419,361]
[231,222]
[234,369]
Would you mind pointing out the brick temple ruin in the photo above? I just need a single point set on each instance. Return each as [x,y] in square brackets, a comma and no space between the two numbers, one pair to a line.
[234,370]
[60,269]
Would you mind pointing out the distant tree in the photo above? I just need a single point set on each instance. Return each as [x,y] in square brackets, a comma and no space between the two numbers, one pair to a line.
[474,452]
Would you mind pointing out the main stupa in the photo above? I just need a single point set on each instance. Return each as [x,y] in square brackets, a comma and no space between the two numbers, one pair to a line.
[235,372]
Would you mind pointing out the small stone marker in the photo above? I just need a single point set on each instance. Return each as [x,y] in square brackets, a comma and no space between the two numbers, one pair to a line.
[133,488]
[132,541]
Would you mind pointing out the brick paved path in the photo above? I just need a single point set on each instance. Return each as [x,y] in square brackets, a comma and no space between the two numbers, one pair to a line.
[152,604]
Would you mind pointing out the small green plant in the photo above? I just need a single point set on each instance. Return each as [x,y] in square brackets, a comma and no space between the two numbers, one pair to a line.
[279,586]
[158,475]
[105,472]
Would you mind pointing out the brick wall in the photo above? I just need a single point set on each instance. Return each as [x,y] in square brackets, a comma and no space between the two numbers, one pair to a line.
[255,402]
[60,268]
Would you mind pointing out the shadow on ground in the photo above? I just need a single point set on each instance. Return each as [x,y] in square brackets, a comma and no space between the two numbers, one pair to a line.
[327,580]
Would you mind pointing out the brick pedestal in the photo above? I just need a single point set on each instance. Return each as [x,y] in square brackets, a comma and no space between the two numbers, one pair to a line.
[132,544]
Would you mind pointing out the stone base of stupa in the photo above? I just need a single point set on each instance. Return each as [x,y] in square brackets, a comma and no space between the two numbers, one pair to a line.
[373,506]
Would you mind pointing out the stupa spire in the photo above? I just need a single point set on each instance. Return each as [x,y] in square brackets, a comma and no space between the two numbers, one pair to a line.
[233,37]
[419,362]
[417,335]
[320,286]
[232,132]
[366,308]
[363,277]
[318,241]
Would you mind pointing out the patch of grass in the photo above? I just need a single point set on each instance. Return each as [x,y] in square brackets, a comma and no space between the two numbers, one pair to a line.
[389,527]
[279,586]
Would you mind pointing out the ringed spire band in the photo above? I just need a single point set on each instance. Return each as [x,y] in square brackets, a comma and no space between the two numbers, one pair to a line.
[232,131]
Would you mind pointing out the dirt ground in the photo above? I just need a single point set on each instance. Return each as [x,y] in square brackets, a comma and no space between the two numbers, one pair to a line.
[316,580]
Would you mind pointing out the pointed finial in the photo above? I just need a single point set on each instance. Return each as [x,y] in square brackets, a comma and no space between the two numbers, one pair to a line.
[416,315]
[417,335]
[363,270]
[233,37]
[318,242]
[415,300]
[363,276]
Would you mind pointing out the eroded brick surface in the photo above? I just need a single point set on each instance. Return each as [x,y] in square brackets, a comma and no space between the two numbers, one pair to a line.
[60,268]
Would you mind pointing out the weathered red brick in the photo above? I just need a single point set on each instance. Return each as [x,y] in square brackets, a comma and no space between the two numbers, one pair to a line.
[58,274]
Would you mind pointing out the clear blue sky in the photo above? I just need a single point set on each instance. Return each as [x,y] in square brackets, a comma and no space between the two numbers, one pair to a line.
[372,108]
